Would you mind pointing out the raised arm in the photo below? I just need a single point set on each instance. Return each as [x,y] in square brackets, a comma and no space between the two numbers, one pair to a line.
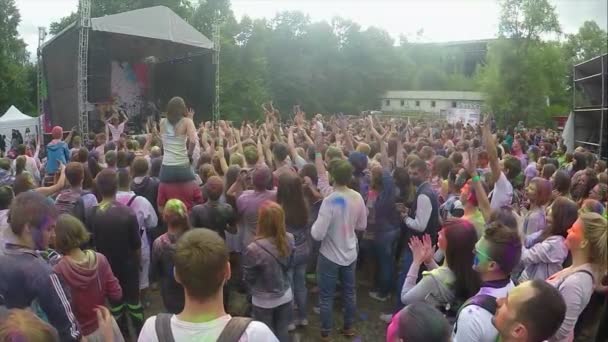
[480,192]
[383,154]
[491,148]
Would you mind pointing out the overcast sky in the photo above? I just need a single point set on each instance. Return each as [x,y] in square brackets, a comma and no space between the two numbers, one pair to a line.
[440,20]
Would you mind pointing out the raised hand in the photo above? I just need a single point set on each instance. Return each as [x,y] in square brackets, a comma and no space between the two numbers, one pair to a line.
[417,250]
[429,251]
[472,165]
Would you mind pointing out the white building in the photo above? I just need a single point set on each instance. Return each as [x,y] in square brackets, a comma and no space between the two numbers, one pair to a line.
[435,102]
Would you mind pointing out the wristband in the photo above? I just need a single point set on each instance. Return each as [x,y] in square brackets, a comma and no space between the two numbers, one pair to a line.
[318,154]
[476,178]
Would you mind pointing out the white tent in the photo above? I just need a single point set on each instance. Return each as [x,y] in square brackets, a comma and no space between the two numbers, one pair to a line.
[14,119]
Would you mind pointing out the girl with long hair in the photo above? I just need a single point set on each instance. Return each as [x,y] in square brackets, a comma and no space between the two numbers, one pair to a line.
[538,193]
[267,262]
[179,138]
[545,251]
[455,280]
[175,215]
[587,240]
[291,197]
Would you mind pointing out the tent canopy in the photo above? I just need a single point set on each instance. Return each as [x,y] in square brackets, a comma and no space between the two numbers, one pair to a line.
[14,118]
[157,22]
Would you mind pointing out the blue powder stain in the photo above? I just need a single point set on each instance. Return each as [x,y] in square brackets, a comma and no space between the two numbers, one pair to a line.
[339,202]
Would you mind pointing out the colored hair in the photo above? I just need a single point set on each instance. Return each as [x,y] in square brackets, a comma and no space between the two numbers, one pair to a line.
[504,246]
[70,233]
[341,171]
[271,224]
[30,208]
[21,325]
[175,214]
[461,237]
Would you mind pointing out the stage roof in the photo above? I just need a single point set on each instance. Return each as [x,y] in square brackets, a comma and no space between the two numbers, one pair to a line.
[157,22]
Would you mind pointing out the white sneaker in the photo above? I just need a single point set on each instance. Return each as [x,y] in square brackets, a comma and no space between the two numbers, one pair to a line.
[316,310]
[386,318]
[291,327]
[301,323]
[376,295]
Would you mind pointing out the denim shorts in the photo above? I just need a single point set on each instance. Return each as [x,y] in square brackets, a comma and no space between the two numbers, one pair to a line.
[176,173]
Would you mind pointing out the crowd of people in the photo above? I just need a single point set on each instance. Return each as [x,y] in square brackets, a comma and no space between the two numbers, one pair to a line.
[473,233]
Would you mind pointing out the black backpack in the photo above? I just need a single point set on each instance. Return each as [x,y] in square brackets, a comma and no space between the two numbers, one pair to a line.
[232,331]
[484,301]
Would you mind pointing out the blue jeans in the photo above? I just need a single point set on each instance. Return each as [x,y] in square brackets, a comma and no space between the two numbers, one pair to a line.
[384,260]
[404,266]
[176,174]
[297,277]
[277,319]
[327,277]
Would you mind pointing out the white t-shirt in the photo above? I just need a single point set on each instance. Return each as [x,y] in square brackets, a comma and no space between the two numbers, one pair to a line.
[475,323]
[341,213]
[502,194]
[205,332]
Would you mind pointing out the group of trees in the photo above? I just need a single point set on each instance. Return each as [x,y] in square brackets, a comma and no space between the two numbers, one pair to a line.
[338,66]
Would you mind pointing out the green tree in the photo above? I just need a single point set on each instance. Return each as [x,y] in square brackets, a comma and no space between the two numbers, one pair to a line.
[15,72]
[519,75]
[588,42]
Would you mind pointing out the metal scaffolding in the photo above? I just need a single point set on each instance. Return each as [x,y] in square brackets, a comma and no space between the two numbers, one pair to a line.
[216,62]
[40,77]
[84,11]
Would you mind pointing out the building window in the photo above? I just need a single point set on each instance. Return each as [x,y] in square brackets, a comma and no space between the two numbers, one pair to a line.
[387,102]
[417,103]
[433,104]
[453,104]
[402,103]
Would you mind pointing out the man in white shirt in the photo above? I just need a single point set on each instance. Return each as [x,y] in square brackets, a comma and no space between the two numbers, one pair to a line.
[496,254]
[202,268]
[342,212]
[502,195]
[146,217]
[531,312]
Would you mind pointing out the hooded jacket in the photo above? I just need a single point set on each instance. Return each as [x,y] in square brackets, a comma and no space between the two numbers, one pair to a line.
[56,152]
[265,271]
[544,258]
[90,283]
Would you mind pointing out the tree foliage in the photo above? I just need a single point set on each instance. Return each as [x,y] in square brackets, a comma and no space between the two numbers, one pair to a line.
[338,66]
[15,71]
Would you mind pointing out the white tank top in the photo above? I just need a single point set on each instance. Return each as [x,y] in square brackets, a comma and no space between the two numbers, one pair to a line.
[174,145]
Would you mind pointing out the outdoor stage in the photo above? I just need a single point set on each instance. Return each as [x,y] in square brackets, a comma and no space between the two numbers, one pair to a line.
[137,61]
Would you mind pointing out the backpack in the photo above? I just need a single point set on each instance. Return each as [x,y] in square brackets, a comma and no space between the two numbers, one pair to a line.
[484,301]
[232,331]
[141,229]
[74,206]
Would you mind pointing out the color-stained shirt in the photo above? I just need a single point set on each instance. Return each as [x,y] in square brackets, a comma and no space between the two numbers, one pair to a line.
[247,206]
[341,213]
